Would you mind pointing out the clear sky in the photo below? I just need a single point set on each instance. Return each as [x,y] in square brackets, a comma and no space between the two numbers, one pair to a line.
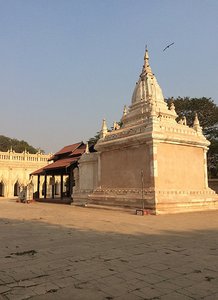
[66,64]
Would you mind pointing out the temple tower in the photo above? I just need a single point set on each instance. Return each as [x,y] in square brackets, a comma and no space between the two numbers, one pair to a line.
[152,160]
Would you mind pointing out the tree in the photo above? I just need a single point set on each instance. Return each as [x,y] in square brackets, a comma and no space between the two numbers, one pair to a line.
[92,141]
[7,143]
[207,112]
[212,159]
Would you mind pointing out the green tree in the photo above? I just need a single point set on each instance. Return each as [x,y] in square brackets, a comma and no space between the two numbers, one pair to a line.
[207,112]
[206,109]
[7,143]
[92,141]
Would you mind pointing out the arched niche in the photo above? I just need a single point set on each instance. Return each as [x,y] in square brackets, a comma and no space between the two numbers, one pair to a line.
[2,189]
[16,188]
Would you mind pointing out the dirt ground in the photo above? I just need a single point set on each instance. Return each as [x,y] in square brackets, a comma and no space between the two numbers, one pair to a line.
[51,251]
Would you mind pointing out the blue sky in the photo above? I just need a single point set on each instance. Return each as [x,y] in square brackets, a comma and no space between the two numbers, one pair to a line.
[65,64]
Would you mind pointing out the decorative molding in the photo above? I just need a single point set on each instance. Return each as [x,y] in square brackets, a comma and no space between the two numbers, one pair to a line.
[121,191]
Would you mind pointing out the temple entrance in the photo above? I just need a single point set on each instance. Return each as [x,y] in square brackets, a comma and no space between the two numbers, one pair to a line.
[16,188]
[2,189]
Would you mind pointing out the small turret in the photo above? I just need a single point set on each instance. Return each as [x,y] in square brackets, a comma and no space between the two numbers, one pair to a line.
[87,148]
[104,129]
[124,111]
[116,126]
[196,121]
[172,108]
[196,124]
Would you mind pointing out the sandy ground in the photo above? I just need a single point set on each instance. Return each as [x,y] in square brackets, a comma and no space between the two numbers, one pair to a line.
[51,251]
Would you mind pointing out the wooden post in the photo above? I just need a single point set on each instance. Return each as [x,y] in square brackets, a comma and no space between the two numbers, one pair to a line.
[53,186]
[70,183]
[45,187]
[38,187]
[61,186]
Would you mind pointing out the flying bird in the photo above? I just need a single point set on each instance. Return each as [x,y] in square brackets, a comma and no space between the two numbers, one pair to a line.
[168,46]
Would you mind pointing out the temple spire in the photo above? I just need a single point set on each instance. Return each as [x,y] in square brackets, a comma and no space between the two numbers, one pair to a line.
[146,67]
[146,57]
[147,99]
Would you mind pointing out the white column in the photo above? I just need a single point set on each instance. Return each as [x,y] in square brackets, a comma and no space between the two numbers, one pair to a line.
[205,169]
[99,169]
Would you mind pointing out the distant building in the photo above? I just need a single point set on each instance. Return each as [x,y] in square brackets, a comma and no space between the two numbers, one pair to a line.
[15,169]
[56,180]
[151,161]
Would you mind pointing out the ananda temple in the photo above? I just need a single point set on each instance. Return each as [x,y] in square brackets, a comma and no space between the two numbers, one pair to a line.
[150,160]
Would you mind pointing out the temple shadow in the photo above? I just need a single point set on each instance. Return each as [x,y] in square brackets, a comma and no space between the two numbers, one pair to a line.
[71,258]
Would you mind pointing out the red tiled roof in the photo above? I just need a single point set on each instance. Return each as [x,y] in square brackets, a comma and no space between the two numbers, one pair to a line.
[38,172]
[72,154]
[61,163]
[68,149]
[79,150]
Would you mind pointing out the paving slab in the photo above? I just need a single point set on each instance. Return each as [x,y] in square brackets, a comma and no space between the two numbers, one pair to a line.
[51,251]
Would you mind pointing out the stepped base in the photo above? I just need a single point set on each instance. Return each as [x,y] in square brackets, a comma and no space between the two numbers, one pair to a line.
[157,202]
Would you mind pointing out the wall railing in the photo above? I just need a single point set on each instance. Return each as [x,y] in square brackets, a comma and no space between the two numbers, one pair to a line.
[24,156]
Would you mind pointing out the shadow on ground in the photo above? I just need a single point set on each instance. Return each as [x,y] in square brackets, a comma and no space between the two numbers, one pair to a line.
[39,260]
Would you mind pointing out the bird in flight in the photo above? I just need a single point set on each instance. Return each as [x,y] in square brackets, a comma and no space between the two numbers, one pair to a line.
[168,46]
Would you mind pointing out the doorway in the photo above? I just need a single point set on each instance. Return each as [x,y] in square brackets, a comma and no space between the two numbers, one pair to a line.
[16,188]
[2,189]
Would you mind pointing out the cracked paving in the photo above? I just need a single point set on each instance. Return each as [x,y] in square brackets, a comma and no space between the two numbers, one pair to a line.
[51,251]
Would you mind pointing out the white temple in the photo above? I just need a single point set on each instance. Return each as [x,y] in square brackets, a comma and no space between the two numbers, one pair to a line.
[151,161]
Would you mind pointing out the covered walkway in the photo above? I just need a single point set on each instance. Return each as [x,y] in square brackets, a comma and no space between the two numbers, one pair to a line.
[56,180]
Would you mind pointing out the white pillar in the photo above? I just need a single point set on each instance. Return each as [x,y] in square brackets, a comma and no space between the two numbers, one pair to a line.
[205,169]
[99,169]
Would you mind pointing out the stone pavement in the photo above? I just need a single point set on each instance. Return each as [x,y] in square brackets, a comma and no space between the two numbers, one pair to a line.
[50,251]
